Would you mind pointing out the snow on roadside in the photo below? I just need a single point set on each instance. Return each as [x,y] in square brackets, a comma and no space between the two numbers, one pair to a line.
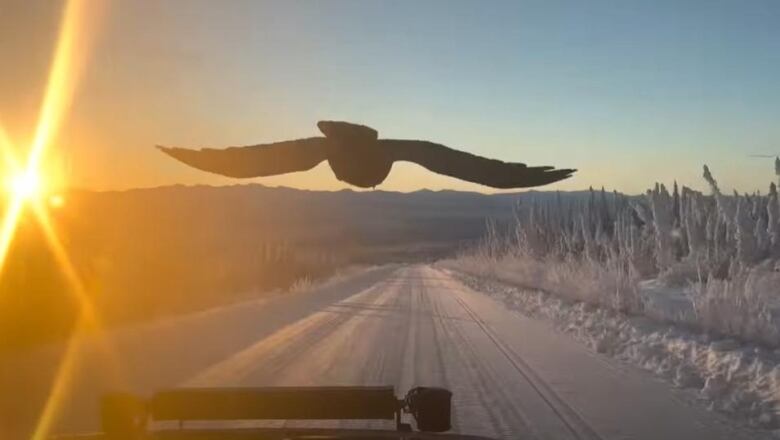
[738,379]
[306,284]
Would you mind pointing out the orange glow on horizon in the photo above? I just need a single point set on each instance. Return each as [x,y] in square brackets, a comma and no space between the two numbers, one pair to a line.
[14,207]
[26,188]
[68,58]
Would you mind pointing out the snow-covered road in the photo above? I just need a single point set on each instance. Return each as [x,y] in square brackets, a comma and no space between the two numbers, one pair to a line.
[512,377]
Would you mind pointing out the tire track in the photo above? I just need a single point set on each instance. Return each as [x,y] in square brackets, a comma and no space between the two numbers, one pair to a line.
[480,389]
[385,366]
[340,357]
[576,424]
[436,322]
[271,355]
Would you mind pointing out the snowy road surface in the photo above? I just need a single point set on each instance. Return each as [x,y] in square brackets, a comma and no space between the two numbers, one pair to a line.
[512,377]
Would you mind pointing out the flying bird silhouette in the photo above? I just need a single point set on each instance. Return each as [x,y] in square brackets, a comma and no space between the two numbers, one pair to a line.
[357,156]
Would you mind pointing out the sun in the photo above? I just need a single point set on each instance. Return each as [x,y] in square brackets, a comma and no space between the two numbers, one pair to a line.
[27,190]
[25,185]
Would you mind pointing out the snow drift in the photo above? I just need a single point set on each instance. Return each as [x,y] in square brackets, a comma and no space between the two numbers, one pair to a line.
[684,284]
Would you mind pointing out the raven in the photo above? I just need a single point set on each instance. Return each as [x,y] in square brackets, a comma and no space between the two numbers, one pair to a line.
[357,156]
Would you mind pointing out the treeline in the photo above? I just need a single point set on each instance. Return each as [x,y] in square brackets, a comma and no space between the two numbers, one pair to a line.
[720,251]
[139,278]
[682,235]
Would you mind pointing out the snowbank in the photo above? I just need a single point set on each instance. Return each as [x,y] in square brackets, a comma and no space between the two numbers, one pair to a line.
[742,380]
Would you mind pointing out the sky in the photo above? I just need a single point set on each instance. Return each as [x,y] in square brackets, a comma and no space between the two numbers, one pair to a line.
[628,92]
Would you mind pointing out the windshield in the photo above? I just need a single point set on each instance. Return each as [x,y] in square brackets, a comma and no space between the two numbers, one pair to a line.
[564,213]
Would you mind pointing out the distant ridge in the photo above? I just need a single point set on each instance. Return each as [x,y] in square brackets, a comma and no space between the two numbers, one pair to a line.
[343,190]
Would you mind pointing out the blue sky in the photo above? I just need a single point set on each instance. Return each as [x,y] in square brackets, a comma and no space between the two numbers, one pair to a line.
[628,92]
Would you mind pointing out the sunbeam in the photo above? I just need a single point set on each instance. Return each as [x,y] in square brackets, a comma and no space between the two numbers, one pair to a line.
[68,59]
[67,64]
[13,208]
[25,186]
[88,322]
[10,161]
[13,211]
[60,385]
[91,320]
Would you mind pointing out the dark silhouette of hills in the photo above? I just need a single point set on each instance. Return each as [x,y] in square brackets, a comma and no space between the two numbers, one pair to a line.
[343,221]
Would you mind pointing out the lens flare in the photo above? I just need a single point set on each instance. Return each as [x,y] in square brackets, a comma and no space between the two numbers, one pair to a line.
[69,55]
[66,67]
[8,228]
[57,201]
[14,207]
[10,162]
[91,320]
[87,322]
[59,388]
[25,187]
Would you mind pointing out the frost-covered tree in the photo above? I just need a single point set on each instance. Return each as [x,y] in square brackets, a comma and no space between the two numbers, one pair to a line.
[711,180]
[605,216]
[725,205]
[762,239]
[684,235]
[744,232]
[773,220]
[663,219]
[676,205]
[694,222]
[777,169]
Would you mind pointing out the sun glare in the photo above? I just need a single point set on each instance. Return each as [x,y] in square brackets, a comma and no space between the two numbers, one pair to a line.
[25,186]
[26,190]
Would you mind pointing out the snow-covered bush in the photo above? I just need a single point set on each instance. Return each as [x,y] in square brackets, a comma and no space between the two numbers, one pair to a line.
[744,305]
[720,251]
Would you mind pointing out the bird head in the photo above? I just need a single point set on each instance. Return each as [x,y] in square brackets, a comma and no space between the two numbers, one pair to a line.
[348,133]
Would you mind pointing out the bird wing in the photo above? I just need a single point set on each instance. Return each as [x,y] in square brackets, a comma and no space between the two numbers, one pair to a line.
[256,160]
[469,167]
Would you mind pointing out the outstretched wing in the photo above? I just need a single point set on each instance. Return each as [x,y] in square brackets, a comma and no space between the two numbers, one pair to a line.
[466,166]
[256,160]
